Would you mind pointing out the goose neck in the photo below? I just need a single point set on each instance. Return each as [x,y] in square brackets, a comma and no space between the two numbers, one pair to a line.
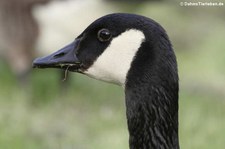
[152,116]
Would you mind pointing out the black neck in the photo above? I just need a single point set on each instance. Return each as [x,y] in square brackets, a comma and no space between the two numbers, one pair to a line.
[152,102]
[152,118]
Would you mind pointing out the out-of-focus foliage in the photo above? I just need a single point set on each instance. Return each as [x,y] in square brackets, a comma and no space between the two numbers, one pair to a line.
[91,114]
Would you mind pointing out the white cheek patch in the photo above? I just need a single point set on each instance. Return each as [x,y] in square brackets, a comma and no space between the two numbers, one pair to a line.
[114,63]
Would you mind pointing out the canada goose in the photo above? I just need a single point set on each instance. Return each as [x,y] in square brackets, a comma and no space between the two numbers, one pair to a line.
[132,51]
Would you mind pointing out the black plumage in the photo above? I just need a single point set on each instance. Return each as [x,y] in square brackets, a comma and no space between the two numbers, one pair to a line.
[151,87]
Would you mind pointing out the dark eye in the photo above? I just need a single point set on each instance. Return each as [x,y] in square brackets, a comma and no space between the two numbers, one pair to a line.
[104,35]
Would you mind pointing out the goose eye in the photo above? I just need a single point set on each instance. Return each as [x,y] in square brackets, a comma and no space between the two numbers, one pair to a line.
[104,35]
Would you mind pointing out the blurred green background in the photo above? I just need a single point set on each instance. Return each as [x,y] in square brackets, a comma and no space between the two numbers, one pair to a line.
[45,113]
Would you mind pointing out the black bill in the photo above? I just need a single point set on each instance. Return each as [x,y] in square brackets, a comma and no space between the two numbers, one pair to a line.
[64,58]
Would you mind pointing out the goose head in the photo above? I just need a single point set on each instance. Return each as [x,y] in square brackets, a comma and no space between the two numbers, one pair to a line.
[105,50]
[135,52]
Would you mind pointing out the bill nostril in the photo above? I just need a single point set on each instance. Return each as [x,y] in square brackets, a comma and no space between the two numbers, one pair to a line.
[59,55]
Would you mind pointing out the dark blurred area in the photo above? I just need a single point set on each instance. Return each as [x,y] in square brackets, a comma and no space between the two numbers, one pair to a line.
[87,113]
[18,34]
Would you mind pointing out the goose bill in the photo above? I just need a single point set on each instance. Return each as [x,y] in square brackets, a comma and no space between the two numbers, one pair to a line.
[64,58]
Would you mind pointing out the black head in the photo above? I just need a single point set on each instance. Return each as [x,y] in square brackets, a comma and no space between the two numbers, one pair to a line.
[107,47]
